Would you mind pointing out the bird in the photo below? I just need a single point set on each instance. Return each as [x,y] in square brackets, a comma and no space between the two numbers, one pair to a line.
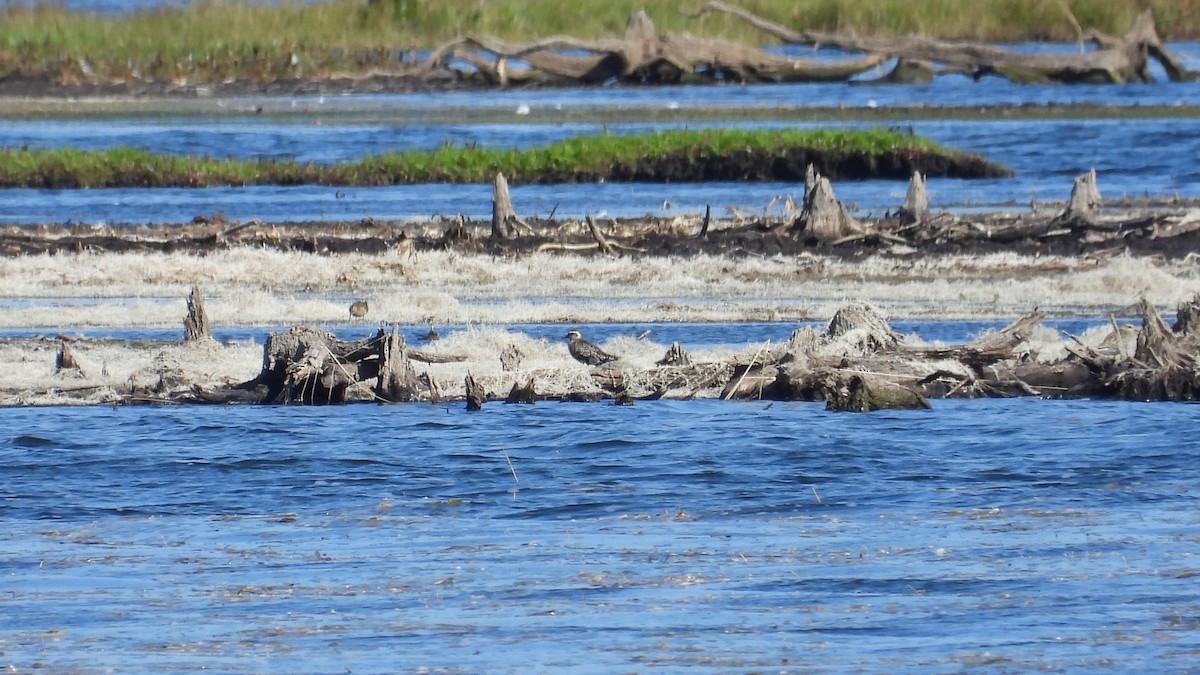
[359,309]
[586,352]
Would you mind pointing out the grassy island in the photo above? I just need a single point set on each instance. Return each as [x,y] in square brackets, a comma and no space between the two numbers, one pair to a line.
[669,156]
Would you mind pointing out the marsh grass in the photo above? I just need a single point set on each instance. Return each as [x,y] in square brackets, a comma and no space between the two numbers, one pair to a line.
[579,156]
[209,40]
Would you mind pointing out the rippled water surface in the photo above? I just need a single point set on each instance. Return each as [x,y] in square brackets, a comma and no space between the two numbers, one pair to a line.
[712,536]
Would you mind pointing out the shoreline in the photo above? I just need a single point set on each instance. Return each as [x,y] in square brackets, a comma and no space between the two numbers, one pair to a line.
[85,102]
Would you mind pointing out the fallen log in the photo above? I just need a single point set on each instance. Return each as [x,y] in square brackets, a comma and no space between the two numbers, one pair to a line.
[642,55]
[1114,59]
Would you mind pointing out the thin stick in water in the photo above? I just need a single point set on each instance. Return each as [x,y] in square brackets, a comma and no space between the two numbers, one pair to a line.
[510,465]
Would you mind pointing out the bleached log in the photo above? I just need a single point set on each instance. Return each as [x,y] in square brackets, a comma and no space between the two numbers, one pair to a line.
[1116,59]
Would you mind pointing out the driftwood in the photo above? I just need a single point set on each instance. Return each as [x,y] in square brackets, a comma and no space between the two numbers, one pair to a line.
[1115,59]
[856,363]
[641,55]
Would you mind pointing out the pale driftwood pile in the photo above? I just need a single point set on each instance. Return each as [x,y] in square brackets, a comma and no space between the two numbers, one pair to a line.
[857,363]
[645,55]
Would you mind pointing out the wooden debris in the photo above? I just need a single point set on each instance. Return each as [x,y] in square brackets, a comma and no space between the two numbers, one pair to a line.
[599,237]
[855,393]
[476,394]
[522,393]
[1115,59]
[504,219]
[195,324]
[823,216]
[916,202]
[511,357]
[867,329]
[66,360]
[675,356]
[397,380]
[1085,200]
[642,55]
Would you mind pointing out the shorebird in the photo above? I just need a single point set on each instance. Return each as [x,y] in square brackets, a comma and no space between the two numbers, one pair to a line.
[359,309]
[586,352]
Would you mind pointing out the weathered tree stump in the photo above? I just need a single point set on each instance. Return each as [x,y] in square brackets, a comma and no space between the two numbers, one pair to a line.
[476,394]
[195,324]
[915,208]
[504,218]
[675,356]
[870,330]
[823,216]
[522,393]
[856,394]
[1187,318]
[307,365]
[66,360]
[1085,200]
[397,380]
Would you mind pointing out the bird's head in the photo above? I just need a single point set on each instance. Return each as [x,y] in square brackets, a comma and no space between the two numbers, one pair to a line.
[574,335]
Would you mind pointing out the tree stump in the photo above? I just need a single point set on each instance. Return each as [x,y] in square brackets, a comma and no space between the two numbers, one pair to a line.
[675,356]
[66,360]
[1187,318]
[397,381]
[862,322]
[823,216]
[504,218]
[1085,200]
[475,394]
[916,202]
[856,394]
[522,393]
[195,324]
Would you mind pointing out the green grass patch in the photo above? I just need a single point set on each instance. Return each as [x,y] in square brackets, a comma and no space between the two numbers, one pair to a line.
[209,41]
[576,159]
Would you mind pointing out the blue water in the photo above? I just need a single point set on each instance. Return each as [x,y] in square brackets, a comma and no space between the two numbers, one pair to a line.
[690,335]
[703,536]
